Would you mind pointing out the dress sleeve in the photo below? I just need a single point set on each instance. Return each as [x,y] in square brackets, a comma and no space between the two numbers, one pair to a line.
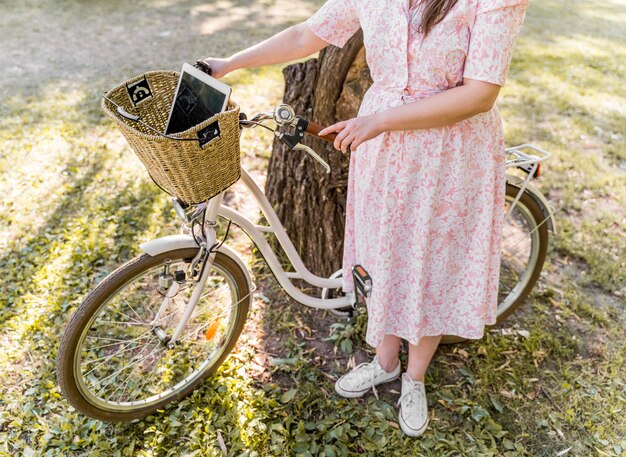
[497,24]
[335,22]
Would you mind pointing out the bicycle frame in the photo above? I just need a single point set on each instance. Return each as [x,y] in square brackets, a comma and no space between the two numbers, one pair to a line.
[255,232]
[216,208]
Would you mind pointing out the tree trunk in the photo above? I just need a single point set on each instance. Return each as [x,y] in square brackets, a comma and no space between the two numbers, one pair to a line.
[310,203]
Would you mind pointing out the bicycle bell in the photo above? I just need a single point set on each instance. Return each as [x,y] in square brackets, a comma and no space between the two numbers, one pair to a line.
[284,115]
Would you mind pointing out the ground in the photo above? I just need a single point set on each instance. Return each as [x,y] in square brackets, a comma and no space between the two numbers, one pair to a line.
[76,203]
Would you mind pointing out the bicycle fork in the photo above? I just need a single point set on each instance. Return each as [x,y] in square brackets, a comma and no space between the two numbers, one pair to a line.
[200,267]
[172,287]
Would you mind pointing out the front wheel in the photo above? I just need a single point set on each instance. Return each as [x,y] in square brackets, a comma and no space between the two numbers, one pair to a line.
[114,360]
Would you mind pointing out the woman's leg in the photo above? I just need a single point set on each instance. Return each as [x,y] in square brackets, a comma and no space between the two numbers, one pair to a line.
[387,352]
[420,356]
[413,414]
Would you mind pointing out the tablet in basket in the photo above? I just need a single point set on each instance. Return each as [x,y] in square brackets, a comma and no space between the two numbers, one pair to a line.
[198,97]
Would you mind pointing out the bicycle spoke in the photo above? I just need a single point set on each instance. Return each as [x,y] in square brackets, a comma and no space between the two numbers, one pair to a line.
[121,341]
[205,325]
[125,384]
[124,323]
[105,338]
[108,358]
[125,387]
[133,310]
[138,388]
[219,316]
[124,368]
[196,312]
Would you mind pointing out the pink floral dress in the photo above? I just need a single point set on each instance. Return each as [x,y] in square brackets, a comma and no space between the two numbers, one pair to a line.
[425,207]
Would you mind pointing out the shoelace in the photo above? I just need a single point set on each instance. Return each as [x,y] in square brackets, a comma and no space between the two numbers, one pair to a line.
[366,376]
[414,389]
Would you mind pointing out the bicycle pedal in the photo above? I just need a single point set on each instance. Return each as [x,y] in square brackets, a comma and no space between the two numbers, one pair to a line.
[362,283]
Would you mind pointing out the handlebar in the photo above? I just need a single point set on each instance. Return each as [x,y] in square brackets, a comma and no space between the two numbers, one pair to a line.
[284,115]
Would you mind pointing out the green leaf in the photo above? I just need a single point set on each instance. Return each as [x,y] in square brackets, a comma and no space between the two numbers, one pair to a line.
[508,444]
[346,346]
[496,404]
[479,413]
[289,395]
[279,362]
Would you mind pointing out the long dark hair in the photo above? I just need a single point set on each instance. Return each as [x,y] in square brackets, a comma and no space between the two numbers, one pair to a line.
[435,11]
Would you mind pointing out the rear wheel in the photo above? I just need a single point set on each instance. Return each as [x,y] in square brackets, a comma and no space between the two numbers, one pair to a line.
[524,247]
[115,362]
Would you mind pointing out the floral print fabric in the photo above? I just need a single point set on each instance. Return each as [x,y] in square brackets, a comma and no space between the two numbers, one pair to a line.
[424,207]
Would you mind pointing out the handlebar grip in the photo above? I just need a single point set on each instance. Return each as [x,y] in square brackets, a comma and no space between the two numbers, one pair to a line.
[314,129]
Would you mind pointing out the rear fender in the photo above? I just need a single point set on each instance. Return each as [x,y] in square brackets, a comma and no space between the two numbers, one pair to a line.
[541,200]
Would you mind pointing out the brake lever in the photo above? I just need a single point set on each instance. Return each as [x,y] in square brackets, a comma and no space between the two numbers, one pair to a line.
[263,117]
[315,155]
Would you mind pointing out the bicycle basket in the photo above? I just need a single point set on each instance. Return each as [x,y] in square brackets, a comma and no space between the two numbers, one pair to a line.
[193,165]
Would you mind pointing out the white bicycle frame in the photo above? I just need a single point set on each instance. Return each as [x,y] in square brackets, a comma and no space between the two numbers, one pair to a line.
[216,208]
[255,232]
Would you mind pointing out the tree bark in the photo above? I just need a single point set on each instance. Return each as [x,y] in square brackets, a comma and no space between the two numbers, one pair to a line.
[310,203]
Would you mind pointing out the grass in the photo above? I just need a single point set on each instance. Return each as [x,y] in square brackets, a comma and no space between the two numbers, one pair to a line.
[76,203]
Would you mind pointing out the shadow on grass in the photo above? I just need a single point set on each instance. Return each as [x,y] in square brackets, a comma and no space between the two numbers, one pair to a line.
[478,398]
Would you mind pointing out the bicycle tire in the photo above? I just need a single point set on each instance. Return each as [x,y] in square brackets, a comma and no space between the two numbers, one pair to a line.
[99,298]
[529,202]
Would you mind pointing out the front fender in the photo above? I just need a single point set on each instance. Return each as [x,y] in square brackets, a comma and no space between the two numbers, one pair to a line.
[167,243]
[175,242]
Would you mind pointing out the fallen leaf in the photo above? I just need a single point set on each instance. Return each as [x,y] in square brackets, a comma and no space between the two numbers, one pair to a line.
[220,441]
[503,366]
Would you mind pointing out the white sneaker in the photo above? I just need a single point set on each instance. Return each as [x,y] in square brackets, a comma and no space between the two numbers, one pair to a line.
[364,377]
[413,414]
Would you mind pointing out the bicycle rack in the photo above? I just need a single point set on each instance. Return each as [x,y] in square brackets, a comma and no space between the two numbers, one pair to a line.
[529,163]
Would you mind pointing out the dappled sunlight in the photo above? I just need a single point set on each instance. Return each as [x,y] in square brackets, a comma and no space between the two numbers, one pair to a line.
[52,141]
[76,202]
[226,15]
[82,205]
[40,301]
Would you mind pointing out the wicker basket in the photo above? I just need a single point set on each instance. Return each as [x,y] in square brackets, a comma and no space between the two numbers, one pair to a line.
[193,165]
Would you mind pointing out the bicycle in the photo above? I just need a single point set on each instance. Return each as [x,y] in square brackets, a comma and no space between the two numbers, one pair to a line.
[160,324]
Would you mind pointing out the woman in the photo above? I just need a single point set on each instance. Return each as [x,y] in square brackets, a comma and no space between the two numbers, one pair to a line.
[426,181]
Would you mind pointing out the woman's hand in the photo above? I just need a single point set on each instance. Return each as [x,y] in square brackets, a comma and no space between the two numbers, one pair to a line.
[354,132]
[219,67]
